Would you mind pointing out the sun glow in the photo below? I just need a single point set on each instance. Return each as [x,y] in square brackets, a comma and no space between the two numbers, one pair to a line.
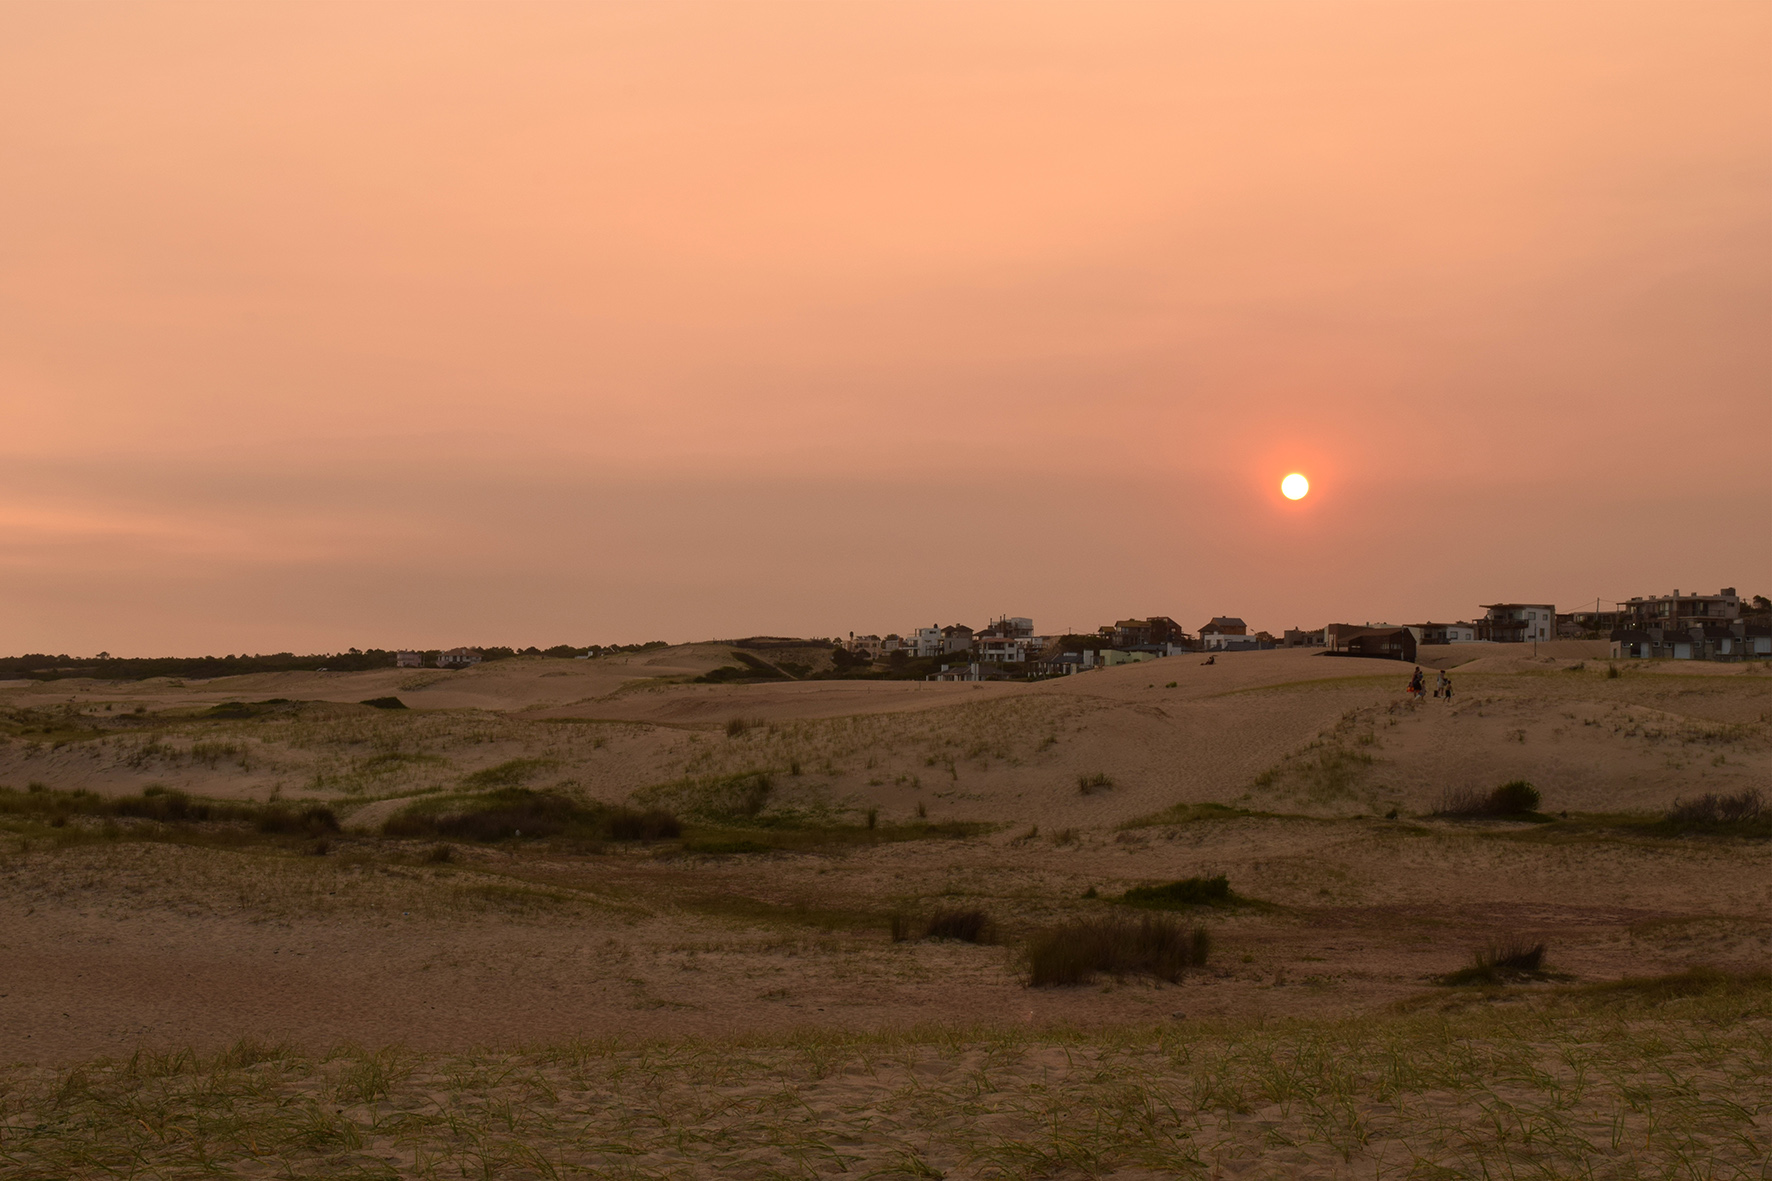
[1295,486]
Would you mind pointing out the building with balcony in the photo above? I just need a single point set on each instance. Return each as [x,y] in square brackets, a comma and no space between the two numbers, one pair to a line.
[1517,623]
[1678,611]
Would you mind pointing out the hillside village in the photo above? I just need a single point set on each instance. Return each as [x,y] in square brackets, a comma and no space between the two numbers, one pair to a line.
[1720,626]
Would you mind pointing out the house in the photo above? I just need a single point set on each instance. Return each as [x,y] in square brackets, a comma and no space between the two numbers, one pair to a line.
[925,641]
[1065,663]
[1159,631]
[1445,633]
[1294,638]
[1336,635]
[1679,611]
[458,658]
[1397,643]
[1008,640]
[868,646]
[974,672]
[1592,624]
[1225,633]
[409,660]
[1517,623]
[957,638]
[1720,640]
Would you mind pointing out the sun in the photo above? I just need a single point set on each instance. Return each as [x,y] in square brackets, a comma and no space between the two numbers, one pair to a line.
[1295,486]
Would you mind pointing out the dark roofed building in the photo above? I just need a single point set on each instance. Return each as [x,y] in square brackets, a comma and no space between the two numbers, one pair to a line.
[1397,643]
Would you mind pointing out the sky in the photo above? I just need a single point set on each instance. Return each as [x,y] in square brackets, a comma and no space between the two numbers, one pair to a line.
[329,325]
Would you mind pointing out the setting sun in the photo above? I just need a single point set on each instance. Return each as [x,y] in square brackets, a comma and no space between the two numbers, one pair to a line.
[1295,486]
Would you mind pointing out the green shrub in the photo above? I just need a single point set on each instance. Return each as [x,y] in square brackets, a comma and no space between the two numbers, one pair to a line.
[311,822]
[1509,961]
[1513,798]
[501,815]
[1077,952]
[1742,808]
[654,824]
[511,773]
[1213,891]
[966,926]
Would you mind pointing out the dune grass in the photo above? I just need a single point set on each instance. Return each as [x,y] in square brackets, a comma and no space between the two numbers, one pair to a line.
[1079,951]
[1183,894]
[1640,1082]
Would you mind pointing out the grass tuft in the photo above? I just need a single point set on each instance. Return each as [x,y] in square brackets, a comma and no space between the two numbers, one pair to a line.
[1510,961]
[1077,952]
[965,926]
[1188,892]
[1516,798]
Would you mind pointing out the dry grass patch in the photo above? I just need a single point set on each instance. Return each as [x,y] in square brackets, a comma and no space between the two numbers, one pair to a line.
[1078,952]
[1572,1086]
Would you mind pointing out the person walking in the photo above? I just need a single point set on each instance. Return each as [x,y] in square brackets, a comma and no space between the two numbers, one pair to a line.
[1417,684]
[1443,686]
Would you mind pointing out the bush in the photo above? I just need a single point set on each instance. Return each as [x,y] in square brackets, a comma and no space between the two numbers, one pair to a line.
[1213,891]
[1511,960]
[507,774]
[654,824]
[1744,807]
[384,703]
[531,815]
[503,814]
[162,805]
[1075,953]
[967,926]
[1514,798]
[1090,784]
[311,822]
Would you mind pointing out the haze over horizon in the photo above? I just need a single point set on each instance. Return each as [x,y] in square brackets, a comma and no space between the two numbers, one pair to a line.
[453,324]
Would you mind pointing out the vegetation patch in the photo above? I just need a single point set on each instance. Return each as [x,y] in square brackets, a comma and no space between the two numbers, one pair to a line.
[963,925]
[384,702]
[1190,814]
[1702,981]
[1078,952]
[785,835]
[1742,813]
[1511,961]
[513,773]
[1515,799]
[748,669]
[1186,893]
[519,812]
[167,811]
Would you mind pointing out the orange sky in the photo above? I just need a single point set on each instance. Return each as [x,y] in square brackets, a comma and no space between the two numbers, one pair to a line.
[430,324]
